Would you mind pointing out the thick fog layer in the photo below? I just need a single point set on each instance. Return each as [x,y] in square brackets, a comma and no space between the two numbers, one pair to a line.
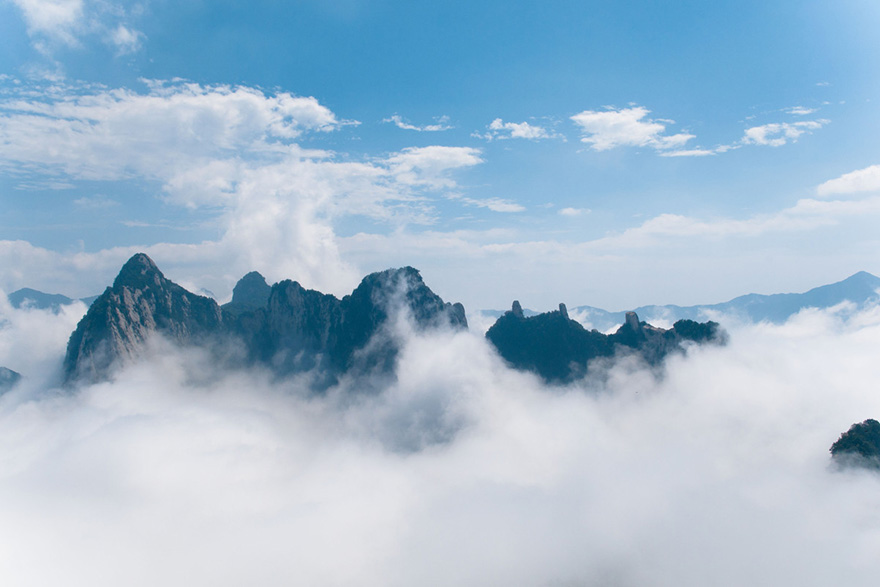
[462,472]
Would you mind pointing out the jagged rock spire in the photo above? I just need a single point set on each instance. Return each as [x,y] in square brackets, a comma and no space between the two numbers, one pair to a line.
[632,321]
[517,310]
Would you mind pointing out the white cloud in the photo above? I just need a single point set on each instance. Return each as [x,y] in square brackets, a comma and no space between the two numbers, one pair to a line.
[653,261]
[230,153]
[441,124]
[126,40]
[58,19]
[779,133]
[67,22]
[861,180]
[691,153]
[429,166]
[115,134]
[571,212]
[801,110]
[724,459]
[494,204]
[96,202]
[626,127]
[498,129]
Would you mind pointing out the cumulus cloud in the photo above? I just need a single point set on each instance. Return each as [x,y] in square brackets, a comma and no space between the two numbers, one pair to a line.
[861,180]
[780,133]
[498,129]
[471,475]
[51,23]
[442,123]
[627,127]
[232,153]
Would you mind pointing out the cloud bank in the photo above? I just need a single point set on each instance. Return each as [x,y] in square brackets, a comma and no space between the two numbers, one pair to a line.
[470,475]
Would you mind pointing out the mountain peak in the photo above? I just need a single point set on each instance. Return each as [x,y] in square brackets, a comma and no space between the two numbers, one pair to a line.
[863,277]
[251,291]
[138,272]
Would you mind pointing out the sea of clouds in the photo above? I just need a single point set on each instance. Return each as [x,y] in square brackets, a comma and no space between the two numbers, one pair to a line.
[461,471]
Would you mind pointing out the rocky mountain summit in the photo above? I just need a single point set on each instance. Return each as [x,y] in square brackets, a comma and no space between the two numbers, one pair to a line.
[289,329]
[285,327]
[141,301]
[559,349]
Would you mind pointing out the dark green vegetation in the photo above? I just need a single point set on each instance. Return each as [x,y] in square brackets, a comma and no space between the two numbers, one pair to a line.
[859,446]
[559,349]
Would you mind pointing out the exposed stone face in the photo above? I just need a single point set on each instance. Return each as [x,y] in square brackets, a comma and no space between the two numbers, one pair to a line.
[250,293]
[559,349]
[517,310]
[305,328]
[285,327]
[141,301]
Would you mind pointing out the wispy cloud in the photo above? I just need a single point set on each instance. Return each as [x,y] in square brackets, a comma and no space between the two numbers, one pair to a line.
[441,124]
[780,133]
[51,23]
[96,202]
[801,110]
[500,130]
[573,212]
[494,204]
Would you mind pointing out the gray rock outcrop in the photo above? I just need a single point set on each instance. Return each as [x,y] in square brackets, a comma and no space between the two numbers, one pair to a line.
[140,302]
[285,327]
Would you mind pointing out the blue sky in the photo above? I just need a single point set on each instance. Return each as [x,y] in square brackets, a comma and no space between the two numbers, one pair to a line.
[603,153]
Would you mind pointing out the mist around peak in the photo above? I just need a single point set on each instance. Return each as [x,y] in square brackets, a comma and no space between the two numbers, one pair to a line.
[459,470]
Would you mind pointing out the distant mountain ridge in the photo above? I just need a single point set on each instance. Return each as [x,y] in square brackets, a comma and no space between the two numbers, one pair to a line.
[860,288]
[32,298]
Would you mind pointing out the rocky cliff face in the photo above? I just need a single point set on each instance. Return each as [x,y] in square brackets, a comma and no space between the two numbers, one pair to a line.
[285,327]
[301,329]
[559,349]
[140,302]
[250,293]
